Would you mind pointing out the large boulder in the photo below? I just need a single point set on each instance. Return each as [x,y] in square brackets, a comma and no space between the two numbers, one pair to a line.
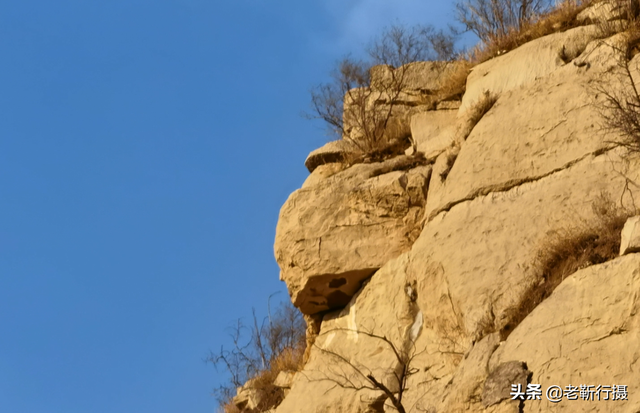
[461,280]
[336,233]
[360,340]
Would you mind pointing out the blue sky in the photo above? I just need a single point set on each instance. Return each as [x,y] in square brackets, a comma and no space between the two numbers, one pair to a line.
[146,147]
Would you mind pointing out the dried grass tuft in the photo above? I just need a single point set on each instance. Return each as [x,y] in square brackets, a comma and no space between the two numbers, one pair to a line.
[454,82]
[561,18]
[480,108]
[567,251]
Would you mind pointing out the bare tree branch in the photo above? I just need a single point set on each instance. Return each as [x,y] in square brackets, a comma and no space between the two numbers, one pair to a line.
[358,107]
[494,19]
[366,378]
[255,349]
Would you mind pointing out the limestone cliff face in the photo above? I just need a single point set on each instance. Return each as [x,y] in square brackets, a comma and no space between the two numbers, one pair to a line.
[433,260]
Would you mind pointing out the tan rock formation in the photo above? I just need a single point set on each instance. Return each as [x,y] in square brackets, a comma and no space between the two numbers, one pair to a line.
[584,334]
[522,66]
[332,152]
[430,267]
[415,77]
[630,236]
[433,131]
[603,10]
[249,398]
[336,233]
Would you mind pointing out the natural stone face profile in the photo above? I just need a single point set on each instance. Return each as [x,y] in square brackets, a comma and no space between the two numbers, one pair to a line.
[337,232]
[432,266]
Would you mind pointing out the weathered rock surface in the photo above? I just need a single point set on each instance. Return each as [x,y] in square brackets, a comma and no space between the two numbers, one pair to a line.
[249,398]
[467,269]
[630,236]
[560,127]
[497,386]
[336,233]
[584,334]
[329,379]
[284,379]
[524,65]
[450,299]
[415,77]
[602,11]
[433,131]
[332,152]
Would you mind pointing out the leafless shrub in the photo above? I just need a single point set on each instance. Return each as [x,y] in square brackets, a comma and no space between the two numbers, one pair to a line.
[349,374]
[567,251]
[399,45]
[360,107]
[494,19]
[544,20]
[480,108]
[259,352]
[620,108]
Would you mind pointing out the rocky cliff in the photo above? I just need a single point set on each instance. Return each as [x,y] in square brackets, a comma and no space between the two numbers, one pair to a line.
[423,276]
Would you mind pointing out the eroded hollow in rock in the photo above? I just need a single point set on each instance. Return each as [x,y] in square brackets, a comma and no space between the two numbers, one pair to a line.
[330,291]
[337,282]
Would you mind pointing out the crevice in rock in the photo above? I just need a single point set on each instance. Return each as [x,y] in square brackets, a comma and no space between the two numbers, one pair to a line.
[451,159]
[506,186]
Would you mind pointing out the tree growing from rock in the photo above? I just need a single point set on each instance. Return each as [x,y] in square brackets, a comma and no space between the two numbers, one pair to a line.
[350,374]
[358,104]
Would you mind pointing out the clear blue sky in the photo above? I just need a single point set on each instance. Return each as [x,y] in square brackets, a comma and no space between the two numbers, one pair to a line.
[146,147]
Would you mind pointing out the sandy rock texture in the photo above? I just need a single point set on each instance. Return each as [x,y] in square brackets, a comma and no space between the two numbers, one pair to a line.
[584,334]
[337,232]
[418,274]
[630,241]
[527,63]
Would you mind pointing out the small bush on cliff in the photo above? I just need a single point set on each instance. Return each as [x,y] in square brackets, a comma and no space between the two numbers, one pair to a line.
[359,106]
[494,19]
[503,25]
[347,373]
[259,353]
[572,249]
[479,109]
